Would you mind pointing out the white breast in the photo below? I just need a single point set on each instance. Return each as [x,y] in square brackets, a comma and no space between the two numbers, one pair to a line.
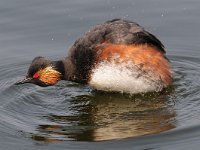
[123,77]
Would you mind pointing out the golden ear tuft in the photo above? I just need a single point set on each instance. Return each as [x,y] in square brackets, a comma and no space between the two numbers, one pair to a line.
[49,75]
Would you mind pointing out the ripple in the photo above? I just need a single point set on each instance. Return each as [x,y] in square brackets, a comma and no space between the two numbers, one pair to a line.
[70,111]
[187,85]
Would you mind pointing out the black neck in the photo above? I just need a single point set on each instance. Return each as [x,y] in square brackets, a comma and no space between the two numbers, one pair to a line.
[59,67]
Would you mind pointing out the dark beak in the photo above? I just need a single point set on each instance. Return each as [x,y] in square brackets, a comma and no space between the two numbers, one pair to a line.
[26,80]
[31,80]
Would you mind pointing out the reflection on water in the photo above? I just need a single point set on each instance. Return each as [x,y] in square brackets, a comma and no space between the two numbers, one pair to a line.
[103,116]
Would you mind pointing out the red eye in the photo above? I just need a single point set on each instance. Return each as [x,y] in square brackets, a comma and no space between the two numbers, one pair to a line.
[35,75]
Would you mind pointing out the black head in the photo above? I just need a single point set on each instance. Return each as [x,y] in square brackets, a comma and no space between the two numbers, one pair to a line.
[43,72]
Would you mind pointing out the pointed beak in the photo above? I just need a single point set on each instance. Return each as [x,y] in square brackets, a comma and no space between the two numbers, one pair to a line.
[26,80]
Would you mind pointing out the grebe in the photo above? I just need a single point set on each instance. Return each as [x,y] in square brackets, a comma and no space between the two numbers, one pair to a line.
[118,55]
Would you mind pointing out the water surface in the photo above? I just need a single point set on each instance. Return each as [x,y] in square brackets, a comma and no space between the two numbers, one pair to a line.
[73,116]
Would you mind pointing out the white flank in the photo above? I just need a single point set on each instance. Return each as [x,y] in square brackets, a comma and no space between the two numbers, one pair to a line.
[123,77]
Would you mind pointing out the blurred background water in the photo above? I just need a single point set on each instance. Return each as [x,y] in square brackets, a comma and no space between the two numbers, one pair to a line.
[72,116]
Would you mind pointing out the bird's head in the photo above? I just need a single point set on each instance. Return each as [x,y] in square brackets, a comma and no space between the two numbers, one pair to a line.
[42,72]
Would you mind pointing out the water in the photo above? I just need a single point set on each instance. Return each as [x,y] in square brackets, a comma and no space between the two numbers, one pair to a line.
[72,116]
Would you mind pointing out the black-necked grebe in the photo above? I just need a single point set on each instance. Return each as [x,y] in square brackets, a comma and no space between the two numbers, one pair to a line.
[118,55]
